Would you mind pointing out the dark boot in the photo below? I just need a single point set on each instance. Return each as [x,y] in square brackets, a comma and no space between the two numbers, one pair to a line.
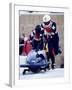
[48,67]
[53,66]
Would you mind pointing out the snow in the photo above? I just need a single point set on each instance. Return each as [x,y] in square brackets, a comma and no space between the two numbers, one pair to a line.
[22,59]
[56,73]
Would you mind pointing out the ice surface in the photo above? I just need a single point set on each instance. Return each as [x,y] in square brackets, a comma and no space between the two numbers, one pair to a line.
[58,72]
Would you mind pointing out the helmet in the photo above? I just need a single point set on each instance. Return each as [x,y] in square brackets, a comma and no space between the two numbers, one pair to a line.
[38,28]
[46,18]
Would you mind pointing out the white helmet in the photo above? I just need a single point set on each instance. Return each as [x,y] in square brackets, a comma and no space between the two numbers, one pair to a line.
[46,18]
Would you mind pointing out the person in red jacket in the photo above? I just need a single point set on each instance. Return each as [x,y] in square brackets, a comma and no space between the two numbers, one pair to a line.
[27,46]
[36,38]
[50,32]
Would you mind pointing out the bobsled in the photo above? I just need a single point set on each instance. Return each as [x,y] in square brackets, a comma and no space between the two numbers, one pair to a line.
[35,62]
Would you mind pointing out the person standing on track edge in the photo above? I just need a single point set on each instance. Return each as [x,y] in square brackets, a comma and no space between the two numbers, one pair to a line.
[51,35]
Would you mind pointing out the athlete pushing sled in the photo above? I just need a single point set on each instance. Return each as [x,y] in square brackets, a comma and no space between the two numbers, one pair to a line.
[46,31]
[36,59]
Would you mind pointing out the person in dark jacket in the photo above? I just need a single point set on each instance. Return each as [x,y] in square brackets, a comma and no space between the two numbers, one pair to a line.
[49,28]
[36,37]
